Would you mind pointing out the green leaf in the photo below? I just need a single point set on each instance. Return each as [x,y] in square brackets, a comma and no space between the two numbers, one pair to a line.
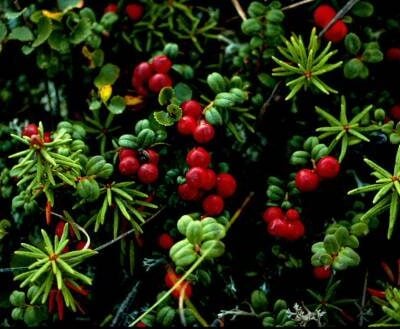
[394,209]
[328,117]
[183,92]
[372,55]
[352,43]
[45,28]
[65,5]
[109,73]
[21,33]
[378,168]
[363,9]
[165,96]
[116,105]
[14,14]
[58,41]
[352,68]
[3,31]
[163,118]
[81,31]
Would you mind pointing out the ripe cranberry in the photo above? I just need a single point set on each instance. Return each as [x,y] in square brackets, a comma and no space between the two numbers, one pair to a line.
[226,185]
[165,241]
[292,215]
[148,173]
[80,245]
[196,176]
[307,180]
[393,54]
[328,167]
[198,157]
[323,14]
[295,230]
[213,205]
[322,272]
[60,228]
[30,129]
[187,288]
[170,278]
[273,212]
[125,152]
[158,81]
[186,125]
[151,156]
[134,11]
[192,108]
[395,112]
[142,72]
[141,324]
[278,227]
[337,32]
[47,137]
[111,8]
[204,132]
[66,249]
[188,193]
[161,64]
[209,179]
[128,166]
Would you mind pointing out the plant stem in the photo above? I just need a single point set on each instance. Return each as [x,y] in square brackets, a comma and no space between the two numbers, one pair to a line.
[297,4]
[239,9]
[196,313]
[239,211]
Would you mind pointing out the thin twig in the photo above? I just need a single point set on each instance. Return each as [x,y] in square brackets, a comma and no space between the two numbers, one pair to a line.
[363,298]
[239,9]
[297,4]
[125,304]
[268,101]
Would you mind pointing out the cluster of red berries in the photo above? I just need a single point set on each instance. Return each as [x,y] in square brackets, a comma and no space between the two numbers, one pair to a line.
[143,163]
[78,245]
[31,129]
[200,179]
[193,123]
[171,278]
[152,75]
[307,180]
[284,225]
[134,10]
[323,14]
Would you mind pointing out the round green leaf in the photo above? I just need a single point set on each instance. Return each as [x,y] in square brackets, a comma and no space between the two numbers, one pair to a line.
[117,105]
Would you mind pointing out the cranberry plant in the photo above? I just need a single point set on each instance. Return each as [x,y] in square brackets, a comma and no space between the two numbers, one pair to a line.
[199,163]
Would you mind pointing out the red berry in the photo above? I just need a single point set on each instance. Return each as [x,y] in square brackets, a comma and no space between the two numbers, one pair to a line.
[209,180]
[30,129]
[60,228]
[323,14]
[151,156]
[271,213]
[128,166]
[213,205]
[188,193]
[134,11]
[393,54]
[204,132]
[226,185]
[148,173]
[80,245]
[307,180]
[141,73]
[198,157]
[395,112]
[165,241]
[186,125]
[161,64]
[141,324]
[328,167]
[158,81]
[278,227]
[192,108]
[196,176]
[125,152]
[322,272]
[170,278]
[111,8]
[187,288]
[337,32]
[292,215]
[295,230]
[47,137]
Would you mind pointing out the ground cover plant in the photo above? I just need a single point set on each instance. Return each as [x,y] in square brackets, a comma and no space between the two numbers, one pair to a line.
[199,163]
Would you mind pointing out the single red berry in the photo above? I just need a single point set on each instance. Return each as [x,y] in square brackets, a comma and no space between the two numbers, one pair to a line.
[395,112]
[80,245]
[183,286]
[213,205]
[66,249]
[323,14]
[141,324]
[148,173]
[125,152]
[134,11]
[60,228]
[322,272]
[161,64]
[295,230]
[186,125]
[209,180]
[188,193]
[151,156]
[204,132]
[170,278]
[158,81]
[393,54]
[271,213]
[196,176]
[337,32]
[278,227]
[226,185]
[165,241]
[142,72]
[111,8]
[192,108]
[198,157]
[328,167]
[47,137]
[307,180]
[128,166]
[30,129]
[292,215]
